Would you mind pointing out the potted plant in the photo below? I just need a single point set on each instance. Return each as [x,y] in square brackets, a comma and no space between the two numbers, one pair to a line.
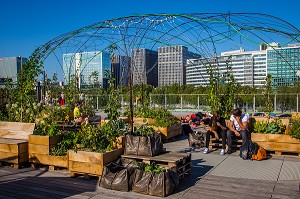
[96,147]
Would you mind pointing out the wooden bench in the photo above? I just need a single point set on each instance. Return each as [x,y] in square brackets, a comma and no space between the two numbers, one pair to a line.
[14,142]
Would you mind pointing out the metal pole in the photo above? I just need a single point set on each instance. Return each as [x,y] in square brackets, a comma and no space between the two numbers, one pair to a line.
[166,101]
[198,103]
[275,103]
[97,103]
[297,102]
[253,103]
[181,102]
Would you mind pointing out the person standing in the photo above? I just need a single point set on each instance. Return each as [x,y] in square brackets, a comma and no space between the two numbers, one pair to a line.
[238,127]
[62,100]
[217,127]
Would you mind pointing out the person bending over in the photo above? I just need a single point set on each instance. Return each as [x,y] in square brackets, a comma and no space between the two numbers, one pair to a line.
[238,127]
[217,127]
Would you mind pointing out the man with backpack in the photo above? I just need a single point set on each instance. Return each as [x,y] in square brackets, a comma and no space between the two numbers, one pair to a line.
[238,127]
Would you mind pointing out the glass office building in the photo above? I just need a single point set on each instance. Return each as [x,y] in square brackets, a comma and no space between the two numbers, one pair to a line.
[10,67]
[84,66]
[283,65]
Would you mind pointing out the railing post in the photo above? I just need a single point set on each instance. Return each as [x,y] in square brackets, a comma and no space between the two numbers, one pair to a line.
[181,102]
[97,103]
[297,102]
[166,101]
[254,103]
[275,103]
[198,103]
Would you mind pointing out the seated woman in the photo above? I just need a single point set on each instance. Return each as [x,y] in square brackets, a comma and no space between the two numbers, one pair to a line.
[78,115]
[217,127]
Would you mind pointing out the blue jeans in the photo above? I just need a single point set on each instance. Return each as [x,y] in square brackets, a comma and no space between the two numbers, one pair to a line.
[231,134]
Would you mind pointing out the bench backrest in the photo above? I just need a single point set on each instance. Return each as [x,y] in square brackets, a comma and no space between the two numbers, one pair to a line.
[16,130]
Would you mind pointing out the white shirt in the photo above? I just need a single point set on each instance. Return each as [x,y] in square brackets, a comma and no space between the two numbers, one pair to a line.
[244,118]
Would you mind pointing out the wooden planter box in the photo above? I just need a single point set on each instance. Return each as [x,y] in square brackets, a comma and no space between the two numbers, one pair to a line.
[170,131]
[277,142]
[91,163]
[39,148]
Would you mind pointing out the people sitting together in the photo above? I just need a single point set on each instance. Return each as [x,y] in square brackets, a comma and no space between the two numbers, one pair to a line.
[217,128]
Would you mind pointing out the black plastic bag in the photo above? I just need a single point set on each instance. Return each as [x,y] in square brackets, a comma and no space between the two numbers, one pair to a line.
[150,145]
[118,175]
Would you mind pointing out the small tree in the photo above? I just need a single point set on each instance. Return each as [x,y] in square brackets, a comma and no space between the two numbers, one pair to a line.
[268,91]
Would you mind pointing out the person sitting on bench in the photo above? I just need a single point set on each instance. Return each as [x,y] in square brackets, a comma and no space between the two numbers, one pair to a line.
[78,115]
[238,127]
[217,127]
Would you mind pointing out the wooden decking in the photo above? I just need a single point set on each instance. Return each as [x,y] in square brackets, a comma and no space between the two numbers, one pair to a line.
[213,176]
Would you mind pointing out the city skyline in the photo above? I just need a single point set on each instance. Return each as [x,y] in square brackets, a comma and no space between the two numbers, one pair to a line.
[23,32]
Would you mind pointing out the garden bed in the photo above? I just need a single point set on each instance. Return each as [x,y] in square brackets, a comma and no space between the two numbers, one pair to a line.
[277,142]
[91,163]
[170,131]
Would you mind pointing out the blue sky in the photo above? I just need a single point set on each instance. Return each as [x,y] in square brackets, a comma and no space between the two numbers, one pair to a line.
[25,25]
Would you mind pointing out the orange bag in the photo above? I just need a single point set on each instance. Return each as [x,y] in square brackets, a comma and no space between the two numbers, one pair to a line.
[261,154]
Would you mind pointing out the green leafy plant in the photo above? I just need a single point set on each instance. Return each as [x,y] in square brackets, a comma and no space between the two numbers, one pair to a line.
[64,145]
[153,168]
[274,127]
[295,131]
[47,129]
[143,130]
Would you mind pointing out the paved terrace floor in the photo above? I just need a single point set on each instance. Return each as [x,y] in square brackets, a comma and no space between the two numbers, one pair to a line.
[213,176]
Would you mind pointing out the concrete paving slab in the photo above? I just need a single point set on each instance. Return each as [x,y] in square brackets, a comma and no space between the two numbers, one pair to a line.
[290,171]
[236,167]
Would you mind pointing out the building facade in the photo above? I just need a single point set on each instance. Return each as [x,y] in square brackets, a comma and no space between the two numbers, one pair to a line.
[172,64]
[88,67]
[144,66]
[248,68]
[10,67]
[284,65]
[120,69]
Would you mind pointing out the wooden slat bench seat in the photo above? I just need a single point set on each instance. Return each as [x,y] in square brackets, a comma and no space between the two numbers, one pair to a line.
[14,142]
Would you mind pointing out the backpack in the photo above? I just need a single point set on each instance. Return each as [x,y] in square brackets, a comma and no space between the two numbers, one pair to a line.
[261,154]
[248,149]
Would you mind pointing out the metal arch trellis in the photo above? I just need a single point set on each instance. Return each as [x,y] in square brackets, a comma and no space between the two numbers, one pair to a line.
[203,33]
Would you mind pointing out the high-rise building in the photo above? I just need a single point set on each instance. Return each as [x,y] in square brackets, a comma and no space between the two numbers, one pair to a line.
[10,67]
[172,64]
[144,66]
[88,67]
[284,64]
[120,69]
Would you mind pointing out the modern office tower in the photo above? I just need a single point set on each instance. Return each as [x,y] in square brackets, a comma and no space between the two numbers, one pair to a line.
[144,66]
[284,64]
[248,68]
[172,64]
[120,69]
[10,67]
[88,67]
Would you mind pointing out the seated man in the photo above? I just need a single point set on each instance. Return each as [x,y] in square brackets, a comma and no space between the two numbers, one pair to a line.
[78,115]
[238,127]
